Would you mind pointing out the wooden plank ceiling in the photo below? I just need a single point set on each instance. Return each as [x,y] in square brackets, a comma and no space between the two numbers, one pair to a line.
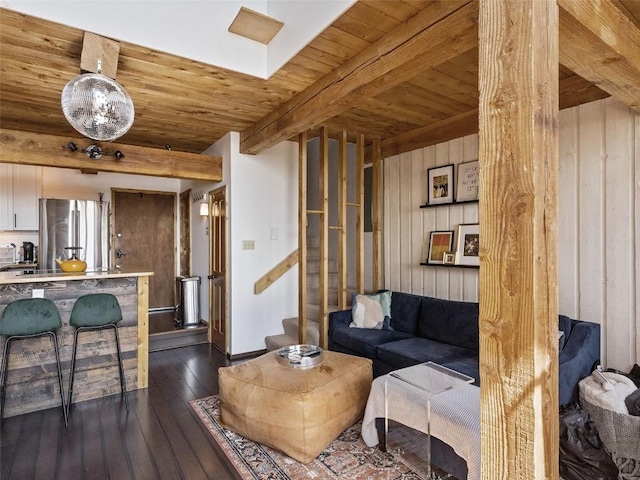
[190,105]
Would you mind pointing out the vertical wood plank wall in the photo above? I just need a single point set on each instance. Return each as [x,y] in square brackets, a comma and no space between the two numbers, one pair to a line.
[598,224]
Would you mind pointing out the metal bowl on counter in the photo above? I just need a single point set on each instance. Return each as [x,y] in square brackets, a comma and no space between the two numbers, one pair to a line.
[300,356]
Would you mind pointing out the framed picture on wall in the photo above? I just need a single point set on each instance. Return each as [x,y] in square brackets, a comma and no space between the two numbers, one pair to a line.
[439,243]
[449,258]
[468,250]
[440,185]
[468,181]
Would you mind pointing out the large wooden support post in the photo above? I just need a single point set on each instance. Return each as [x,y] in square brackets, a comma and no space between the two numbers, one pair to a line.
[302,238]
[324,237]
[342,220]
[376,220]
[518,152]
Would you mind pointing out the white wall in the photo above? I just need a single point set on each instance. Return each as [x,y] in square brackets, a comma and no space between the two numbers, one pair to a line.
[598,224]
[262,199]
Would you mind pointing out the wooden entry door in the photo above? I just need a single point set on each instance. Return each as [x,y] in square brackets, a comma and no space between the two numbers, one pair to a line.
[144,240]
[217,270]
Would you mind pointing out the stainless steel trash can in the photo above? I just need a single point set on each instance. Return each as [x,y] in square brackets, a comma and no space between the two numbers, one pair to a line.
[188,307]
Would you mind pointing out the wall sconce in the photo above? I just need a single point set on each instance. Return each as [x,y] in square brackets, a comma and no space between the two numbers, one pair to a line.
[204,209]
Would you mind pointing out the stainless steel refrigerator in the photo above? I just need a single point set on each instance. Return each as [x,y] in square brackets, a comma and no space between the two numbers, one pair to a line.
[74,223]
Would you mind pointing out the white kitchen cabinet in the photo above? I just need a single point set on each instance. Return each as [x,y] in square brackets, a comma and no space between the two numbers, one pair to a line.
[20,189]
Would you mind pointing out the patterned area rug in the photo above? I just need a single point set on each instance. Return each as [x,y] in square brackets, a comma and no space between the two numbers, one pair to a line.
[347,458]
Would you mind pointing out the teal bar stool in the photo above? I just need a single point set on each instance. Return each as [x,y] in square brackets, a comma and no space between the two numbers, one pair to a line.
[96,311]
[29,318]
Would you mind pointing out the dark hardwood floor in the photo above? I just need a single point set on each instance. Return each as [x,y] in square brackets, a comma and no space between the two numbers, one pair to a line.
[159,437]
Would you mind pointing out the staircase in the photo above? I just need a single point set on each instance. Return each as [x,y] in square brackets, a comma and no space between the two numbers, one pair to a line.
[290,325]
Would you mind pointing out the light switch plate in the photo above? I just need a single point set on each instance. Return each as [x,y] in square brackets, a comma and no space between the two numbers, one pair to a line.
[37,293]
[248,244]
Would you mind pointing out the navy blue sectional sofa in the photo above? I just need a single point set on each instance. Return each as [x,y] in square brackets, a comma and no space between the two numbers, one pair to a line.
[446,332]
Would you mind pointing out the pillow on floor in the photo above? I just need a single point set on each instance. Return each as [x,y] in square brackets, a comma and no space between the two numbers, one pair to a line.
[372,311]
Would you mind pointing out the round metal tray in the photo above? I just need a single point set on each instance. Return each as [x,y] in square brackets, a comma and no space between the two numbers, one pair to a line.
[300,356]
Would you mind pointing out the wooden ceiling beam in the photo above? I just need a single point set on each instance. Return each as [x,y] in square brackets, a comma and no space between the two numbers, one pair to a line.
[437,34]
[601,44]
[574,90]
[29,148]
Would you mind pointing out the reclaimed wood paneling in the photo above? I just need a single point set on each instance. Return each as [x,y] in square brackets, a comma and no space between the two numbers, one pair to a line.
[32,378]
[598,227]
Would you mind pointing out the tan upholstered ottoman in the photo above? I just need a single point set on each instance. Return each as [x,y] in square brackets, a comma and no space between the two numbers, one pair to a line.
[296,411]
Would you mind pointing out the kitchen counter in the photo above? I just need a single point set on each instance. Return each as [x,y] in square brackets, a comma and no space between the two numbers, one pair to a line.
[17,266]
[19,276]
[32,379]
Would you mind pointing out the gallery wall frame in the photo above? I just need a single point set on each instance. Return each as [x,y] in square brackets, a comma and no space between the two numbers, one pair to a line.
[441,185]
[468,244]
[440,243]
[468,181]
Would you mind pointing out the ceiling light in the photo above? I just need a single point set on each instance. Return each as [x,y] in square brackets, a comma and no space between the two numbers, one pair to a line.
[97,106]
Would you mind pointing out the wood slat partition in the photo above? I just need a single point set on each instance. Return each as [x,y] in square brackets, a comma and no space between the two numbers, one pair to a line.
[303,224]
[342,220]
[376,214]
[518,153]
[360,213]
[324,237]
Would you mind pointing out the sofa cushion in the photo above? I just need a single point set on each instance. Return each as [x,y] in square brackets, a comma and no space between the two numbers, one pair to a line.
[371,311]
[410,351]
[405,312]
[447,321]
[365,341]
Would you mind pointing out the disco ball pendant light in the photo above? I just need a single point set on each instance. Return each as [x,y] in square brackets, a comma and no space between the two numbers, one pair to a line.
[97,106]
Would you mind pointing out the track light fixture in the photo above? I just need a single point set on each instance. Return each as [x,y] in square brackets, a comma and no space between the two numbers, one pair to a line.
[94,152]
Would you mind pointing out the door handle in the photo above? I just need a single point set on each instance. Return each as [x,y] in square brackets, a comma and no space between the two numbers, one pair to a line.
[119,253]
[211,277]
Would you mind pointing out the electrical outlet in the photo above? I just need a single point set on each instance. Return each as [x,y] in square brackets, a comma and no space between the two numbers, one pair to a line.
[248,245]
[37,293]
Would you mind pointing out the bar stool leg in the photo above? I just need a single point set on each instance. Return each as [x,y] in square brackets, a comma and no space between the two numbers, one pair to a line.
[3,376]
[64,406]
[123,386]
[72,369]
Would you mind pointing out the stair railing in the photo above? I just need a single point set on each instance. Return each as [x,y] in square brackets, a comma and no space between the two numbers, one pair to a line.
[276,272]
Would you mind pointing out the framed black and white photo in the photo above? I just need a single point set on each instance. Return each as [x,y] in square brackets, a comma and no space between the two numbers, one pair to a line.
[468,250]
[439,243]
[440,185]
[468,181]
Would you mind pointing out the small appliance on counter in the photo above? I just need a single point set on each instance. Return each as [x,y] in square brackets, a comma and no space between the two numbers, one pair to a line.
[28,249]
[8,254]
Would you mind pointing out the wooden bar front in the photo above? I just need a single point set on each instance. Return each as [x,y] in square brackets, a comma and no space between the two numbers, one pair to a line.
[32,376]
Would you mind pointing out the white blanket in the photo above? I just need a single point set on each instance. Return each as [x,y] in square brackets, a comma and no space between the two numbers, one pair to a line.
[610,398]
[455,417]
